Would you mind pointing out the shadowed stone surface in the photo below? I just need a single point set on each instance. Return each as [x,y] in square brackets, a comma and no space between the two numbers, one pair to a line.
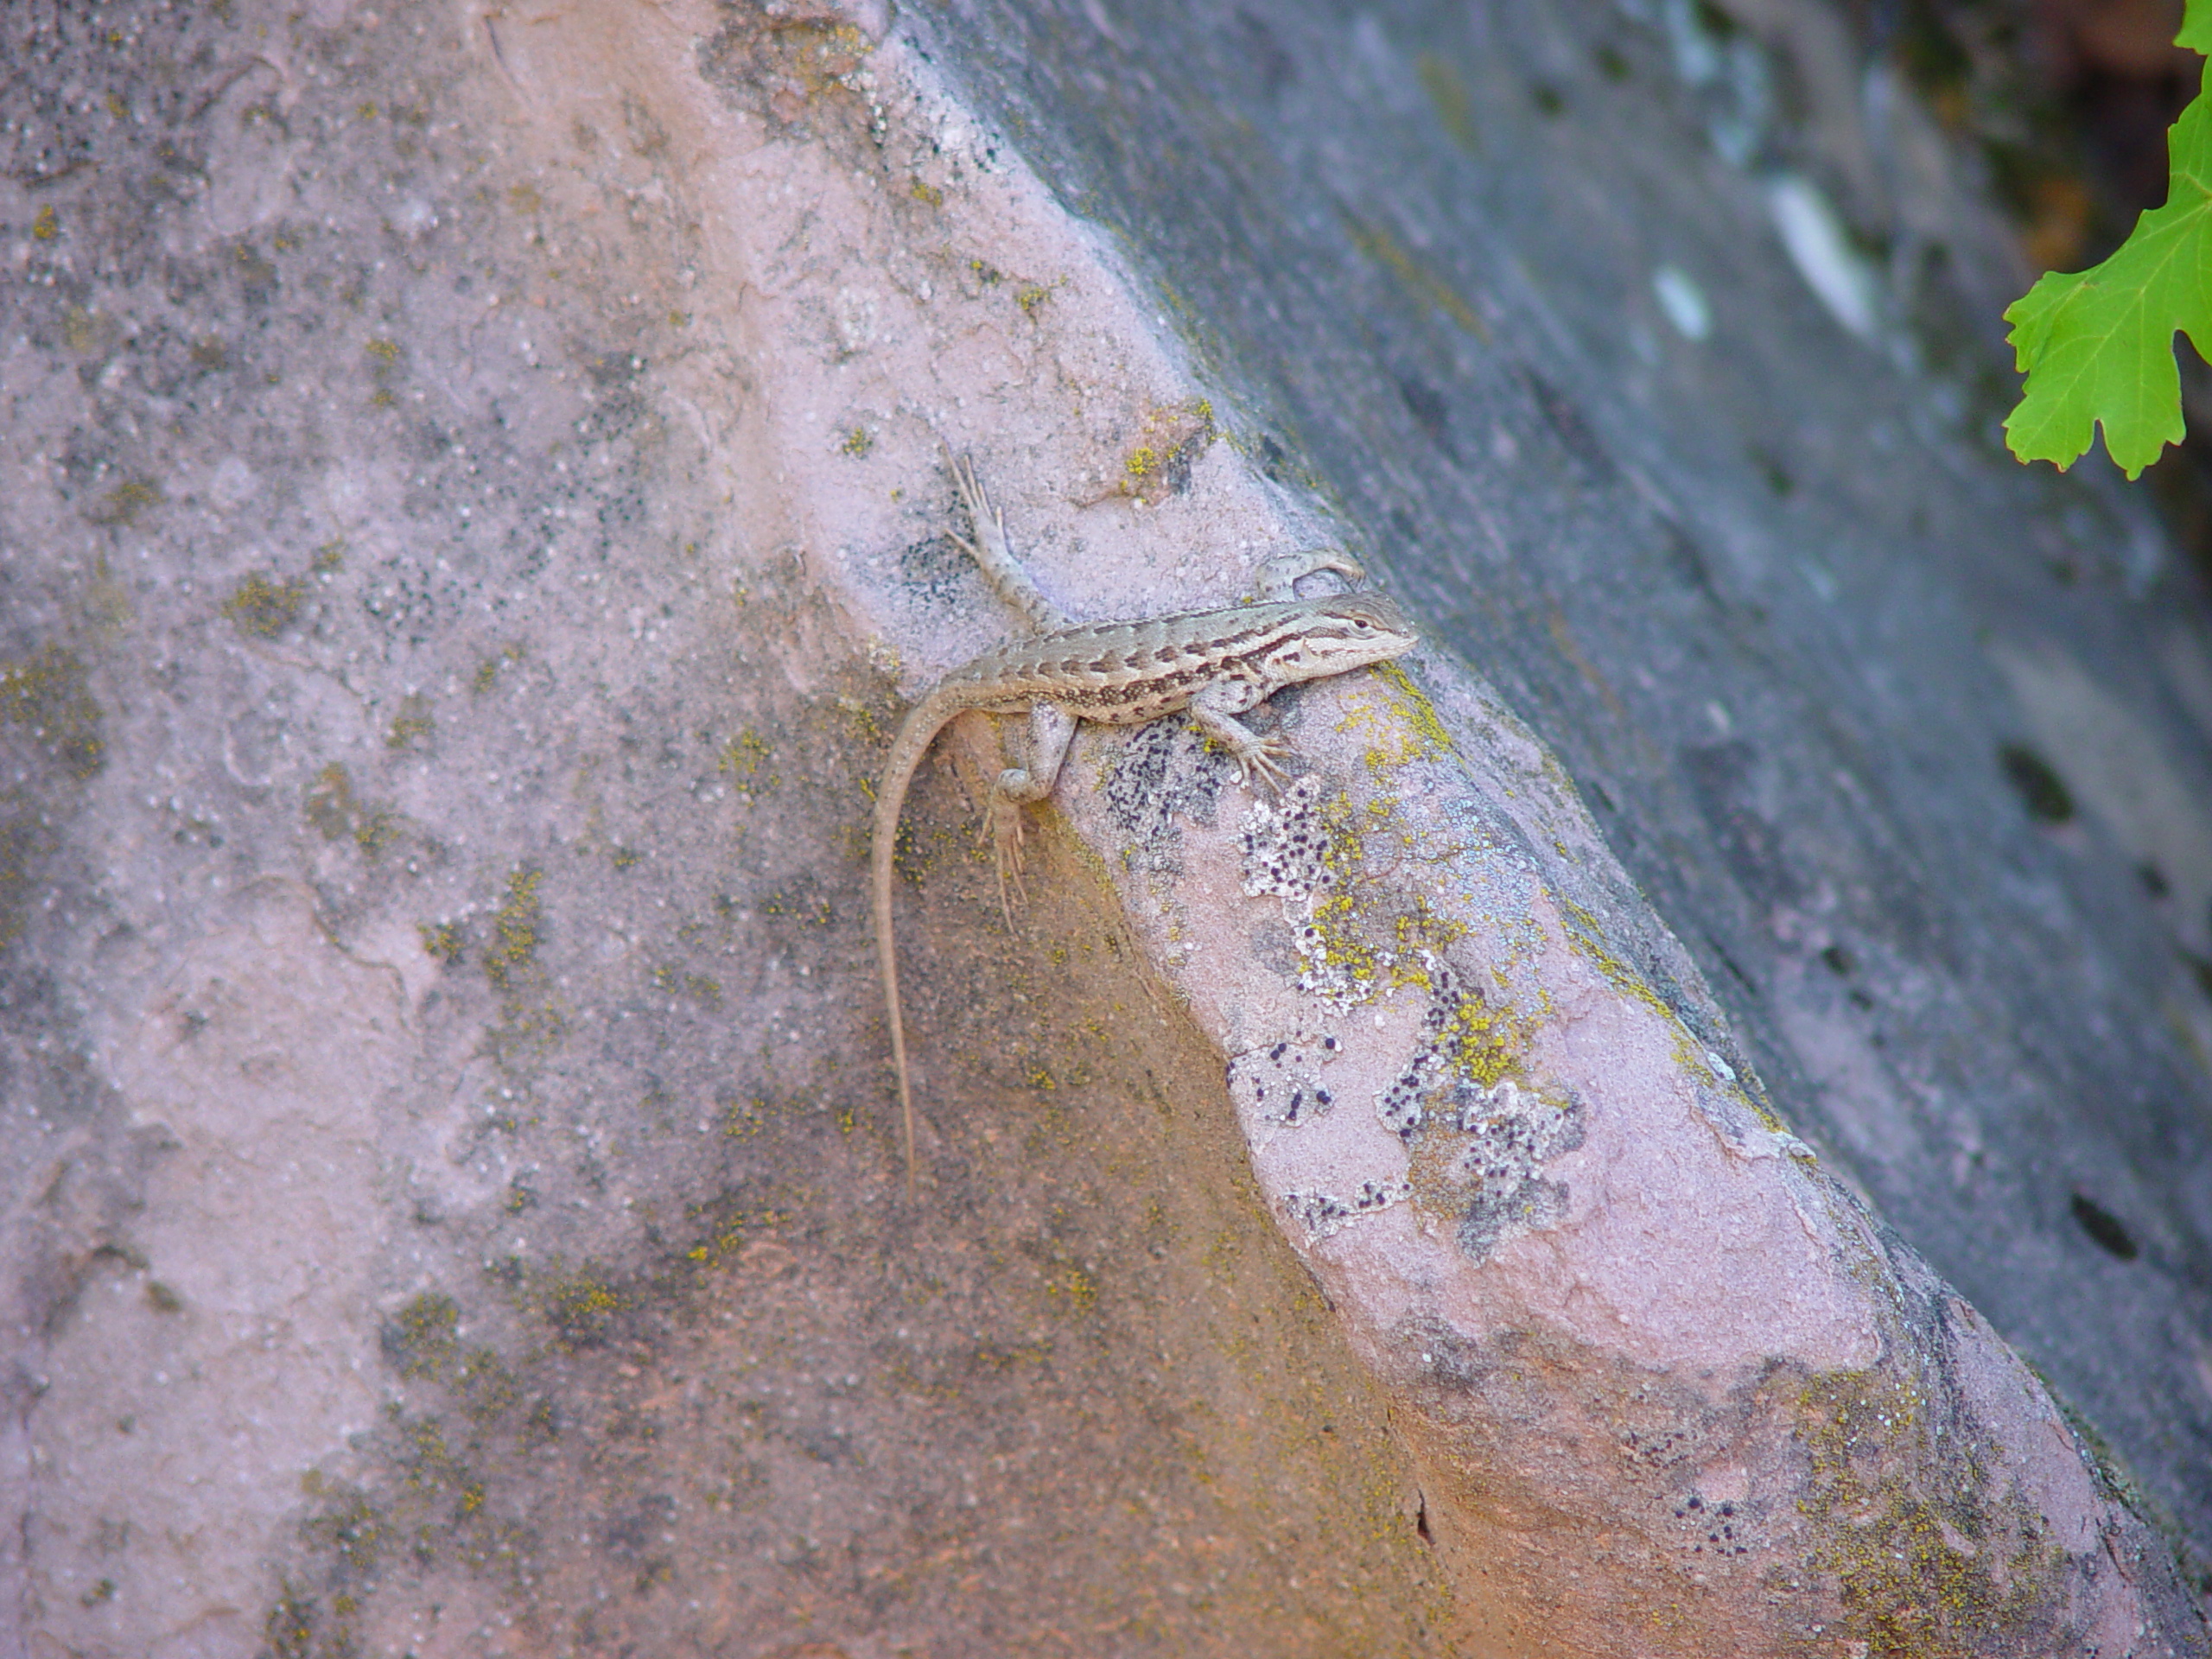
[1910,746]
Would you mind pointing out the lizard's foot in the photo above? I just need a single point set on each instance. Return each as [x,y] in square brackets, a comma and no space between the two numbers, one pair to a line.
[1279,576]
[1002,823]
[1258,759]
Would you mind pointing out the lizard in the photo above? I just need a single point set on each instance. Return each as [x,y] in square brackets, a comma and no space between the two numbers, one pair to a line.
[1214,665]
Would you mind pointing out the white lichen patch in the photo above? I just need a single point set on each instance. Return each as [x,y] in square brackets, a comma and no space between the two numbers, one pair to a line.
[1325,1213]
[1509,1132]
[1287,847]
[1290,852]
[1482,1168]
[1163,771]
[1338,978]
[1281,1082]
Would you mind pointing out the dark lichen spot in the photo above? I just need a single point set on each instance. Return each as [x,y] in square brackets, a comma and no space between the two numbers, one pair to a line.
[162,1299]
[1771,469]
[1839,960]
[2103,1227]
[2039,788]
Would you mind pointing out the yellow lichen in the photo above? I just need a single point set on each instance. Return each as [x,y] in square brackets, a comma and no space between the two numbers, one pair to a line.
[515,930]
[264,608]
[422,1336]
[127,503]
[1072,1285]
[1932,1571]
[413,721]
[580,1307]
[49,695]
[1380,246]
[743,758]
[329,803]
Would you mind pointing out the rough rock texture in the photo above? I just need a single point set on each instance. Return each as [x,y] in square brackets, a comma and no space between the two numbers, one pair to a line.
[475,508]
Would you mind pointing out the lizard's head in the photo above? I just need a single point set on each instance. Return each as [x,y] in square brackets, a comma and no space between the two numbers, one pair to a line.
[1338,635]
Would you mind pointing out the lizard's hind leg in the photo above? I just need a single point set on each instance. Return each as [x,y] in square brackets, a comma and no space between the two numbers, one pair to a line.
[1051,730]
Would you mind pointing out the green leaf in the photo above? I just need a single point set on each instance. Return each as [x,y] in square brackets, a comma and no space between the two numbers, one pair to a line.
[2196,27]
[2097,347]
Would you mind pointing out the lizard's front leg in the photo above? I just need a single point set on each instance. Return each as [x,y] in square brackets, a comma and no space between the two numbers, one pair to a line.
[1216,708]
[1279,576]
[1052,728]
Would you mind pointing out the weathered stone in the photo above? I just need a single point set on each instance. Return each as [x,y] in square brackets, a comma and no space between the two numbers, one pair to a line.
[478,507]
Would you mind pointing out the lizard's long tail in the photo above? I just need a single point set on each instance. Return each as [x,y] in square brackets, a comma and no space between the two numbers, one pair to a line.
[906,752]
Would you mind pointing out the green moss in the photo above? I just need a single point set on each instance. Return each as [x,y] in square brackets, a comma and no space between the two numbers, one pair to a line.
[80,330]
[1582,931]
[263,608]
[487,671]
[441,941]
[128,502]
[486,1388]
[375,828]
